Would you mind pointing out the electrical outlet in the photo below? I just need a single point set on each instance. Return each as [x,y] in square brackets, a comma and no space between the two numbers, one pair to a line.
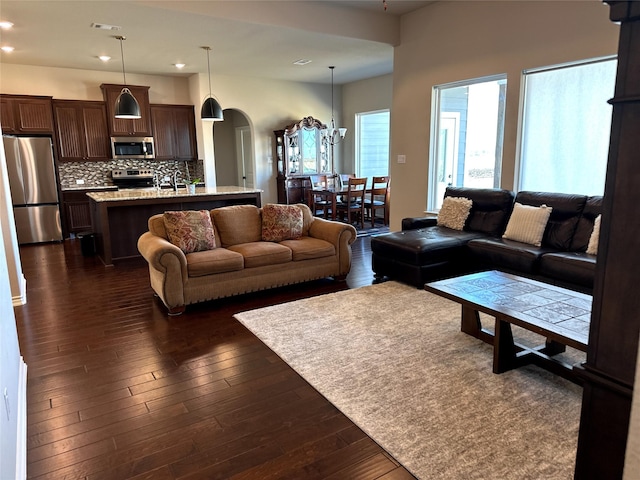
[6,404]
[80,181]
[402,159]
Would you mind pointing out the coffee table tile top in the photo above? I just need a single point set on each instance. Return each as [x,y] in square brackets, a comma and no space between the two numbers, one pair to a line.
[563,308]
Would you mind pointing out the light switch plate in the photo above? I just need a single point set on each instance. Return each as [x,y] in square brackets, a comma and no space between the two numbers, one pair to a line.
[402,159]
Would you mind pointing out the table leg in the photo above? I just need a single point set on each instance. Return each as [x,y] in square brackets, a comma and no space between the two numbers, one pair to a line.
[504,350]
[470,321]
[471,325]
[333,207]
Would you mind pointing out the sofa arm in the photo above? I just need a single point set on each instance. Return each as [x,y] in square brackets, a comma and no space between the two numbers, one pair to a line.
[341,235]
[167,268]
[413,223]
[331,231]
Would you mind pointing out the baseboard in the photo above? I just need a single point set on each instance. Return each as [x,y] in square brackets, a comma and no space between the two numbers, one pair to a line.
[21,298]
[21,437]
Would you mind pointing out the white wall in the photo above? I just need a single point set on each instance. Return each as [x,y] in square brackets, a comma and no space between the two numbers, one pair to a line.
[268,104]
[357,97]
[12,367]
[452,41]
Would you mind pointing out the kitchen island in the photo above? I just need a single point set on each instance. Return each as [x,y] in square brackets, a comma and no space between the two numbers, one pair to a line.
[120,217]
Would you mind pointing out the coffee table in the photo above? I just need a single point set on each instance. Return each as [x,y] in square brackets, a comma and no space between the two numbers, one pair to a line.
[559,314]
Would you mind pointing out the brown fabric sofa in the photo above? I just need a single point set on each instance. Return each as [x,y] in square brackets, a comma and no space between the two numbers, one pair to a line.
[241,261]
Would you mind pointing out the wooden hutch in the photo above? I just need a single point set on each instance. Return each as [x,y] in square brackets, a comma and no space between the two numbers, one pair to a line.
[301,152]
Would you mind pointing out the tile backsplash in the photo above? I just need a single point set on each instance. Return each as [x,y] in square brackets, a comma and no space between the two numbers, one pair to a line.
[98,174]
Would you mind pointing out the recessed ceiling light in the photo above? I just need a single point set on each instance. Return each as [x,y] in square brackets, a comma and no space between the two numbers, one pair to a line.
[302,61]
[179,65]
[104,58]
[104,26]
[6,25]
[7,49]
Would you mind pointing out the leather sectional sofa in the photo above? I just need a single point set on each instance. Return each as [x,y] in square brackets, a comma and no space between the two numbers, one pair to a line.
[424,252]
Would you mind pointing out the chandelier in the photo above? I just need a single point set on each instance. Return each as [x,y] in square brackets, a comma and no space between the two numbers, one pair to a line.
[333,135]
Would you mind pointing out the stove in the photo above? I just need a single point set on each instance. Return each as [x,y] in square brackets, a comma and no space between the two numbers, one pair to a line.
[133,177]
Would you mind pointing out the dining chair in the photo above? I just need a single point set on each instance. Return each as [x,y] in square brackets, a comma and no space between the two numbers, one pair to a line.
[378,199]
[320,204]
[352,201]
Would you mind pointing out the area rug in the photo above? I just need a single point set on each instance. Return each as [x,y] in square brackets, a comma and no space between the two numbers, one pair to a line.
[392,358]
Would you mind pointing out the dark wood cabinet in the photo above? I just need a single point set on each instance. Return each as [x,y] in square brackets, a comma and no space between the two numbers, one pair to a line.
[22,114]
[81,130]
[76,211]
[174,132]
[124,127]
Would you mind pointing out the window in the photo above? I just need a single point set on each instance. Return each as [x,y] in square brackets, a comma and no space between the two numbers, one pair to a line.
[566,125]
[466,141]
[372,144]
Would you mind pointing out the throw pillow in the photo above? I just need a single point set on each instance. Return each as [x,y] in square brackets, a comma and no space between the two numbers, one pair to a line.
[281,222]
[454,212]
[592,248]
[190,230]
[527,223]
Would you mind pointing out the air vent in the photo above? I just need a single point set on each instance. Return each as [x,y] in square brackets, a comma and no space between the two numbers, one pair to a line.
[302,61]
[104,26]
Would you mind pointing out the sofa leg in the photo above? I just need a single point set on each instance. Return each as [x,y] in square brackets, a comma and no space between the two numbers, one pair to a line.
[340,278]
[175,311]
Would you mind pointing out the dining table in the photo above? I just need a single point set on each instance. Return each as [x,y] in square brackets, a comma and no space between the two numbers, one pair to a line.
[329,193]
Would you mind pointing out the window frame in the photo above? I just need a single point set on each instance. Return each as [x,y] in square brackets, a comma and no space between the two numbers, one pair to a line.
[358,132]
[434,136]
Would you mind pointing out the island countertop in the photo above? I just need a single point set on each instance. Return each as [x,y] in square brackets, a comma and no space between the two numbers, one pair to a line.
[120,217]
[168,193]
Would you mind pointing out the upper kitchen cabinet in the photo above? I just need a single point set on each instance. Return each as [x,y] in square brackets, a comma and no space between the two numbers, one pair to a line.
[174,132]
[81,130]
[26,114]
[124,127]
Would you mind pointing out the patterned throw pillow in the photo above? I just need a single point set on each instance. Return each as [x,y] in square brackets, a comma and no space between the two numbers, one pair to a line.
[281,222]
[527,224]
[592,248]
[190,230]
[454,212]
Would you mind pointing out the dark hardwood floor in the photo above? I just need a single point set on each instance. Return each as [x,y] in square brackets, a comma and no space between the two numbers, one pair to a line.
[117,389]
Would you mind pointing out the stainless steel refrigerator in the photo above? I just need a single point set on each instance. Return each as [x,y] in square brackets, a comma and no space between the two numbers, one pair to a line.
[34,191]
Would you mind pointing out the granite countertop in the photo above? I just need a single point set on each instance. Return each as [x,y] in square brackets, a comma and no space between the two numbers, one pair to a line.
[75,188]
[150,193]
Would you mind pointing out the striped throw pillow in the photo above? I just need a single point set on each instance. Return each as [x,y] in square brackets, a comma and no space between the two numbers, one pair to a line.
[527,224]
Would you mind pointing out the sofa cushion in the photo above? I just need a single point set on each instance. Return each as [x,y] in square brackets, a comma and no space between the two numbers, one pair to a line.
[454,212]
[575,268]
[214,261]
[281,222]
[592,248]
[238,224]
[582,235]
[527,224]
[563,221]
[258,254]
[307,248]
[507,254]
[190,230]
[490,210]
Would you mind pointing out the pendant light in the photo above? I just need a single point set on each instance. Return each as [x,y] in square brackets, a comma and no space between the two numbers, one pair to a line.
[336,135]
[126,104]
[211,109]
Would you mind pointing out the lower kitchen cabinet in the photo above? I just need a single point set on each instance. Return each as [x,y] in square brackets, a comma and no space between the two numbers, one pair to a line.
[76,211]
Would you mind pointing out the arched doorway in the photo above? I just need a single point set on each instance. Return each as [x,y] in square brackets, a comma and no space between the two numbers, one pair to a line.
[233,150]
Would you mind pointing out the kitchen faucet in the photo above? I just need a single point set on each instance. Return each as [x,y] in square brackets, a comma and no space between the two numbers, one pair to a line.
[176,174]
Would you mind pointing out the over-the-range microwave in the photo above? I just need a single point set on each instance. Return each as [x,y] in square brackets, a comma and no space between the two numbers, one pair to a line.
[132,147]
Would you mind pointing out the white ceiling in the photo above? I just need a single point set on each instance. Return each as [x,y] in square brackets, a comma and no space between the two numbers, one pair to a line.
[258,38]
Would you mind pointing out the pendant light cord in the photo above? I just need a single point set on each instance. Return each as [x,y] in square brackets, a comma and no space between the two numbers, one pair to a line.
[333,123]
[124,75]
[209,70]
